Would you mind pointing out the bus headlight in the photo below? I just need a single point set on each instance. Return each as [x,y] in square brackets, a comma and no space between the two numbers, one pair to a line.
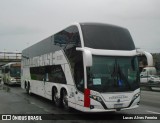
[136,95]
[12,79]
[97,98]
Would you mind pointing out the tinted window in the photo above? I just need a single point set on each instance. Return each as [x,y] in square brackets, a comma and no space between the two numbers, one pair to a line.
[52,73]
[57,75]
[68,36]
[15,71]
[76,61]
[37,73]
[103,36]
[113,74]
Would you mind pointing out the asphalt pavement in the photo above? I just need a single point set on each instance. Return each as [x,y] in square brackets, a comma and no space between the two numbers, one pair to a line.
[14,100]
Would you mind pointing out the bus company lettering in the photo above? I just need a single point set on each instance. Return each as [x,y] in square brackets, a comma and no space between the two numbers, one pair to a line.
[45,59]
[118,97]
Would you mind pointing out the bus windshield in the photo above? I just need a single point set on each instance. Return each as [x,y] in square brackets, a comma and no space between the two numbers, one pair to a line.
[15,71]
[103,36]
[113,74]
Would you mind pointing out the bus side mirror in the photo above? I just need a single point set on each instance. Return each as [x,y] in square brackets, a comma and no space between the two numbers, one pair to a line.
[87,56]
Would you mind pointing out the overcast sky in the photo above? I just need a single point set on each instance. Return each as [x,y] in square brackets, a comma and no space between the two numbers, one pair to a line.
[25,22]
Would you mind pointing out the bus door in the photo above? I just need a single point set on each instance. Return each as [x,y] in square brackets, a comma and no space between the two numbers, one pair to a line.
[47,82]
[79,81]
[47,86]
[41,78]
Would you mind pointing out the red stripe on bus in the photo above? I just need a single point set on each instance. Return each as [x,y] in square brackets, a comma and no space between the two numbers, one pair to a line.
[86,98]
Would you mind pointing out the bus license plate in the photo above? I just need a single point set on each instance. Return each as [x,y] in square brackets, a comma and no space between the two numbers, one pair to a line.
[118,105]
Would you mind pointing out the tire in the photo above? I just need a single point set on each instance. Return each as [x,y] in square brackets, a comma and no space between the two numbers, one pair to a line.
[56,100]
[65,100]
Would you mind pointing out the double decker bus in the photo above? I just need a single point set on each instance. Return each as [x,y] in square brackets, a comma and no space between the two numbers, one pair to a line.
[11,73]
[91,67]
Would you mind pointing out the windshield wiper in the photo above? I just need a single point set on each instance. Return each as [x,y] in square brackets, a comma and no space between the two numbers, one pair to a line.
[118,75]
[114,74]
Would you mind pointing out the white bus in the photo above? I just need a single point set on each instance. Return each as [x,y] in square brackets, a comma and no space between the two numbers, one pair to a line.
[91,67]
[11,73]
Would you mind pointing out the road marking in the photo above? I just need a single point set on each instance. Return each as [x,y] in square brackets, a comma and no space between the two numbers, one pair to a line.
[153,112]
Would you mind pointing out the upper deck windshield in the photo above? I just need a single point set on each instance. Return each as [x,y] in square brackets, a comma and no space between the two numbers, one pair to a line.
[113,74]
[103,36]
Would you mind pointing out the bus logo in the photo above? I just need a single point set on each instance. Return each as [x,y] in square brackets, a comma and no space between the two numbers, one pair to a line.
[6,117]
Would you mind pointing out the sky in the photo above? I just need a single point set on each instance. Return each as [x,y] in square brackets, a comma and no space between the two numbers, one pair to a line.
[26,22]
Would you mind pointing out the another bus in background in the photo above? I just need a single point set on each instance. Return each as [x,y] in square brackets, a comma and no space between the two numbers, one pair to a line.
[11,73]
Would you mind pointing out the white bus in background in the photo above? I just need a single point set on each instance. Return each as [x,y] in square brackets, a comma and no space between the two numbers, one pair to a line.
[91,67]
[11,73]
[148,75]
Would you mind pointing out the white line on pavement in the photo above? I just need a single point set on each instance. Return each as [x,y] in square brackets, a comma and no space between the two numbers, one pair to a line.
[153,112]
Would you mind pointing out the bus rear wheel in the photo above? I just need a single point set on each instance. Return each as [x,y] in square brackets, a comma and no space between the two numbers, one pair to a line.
[56,100]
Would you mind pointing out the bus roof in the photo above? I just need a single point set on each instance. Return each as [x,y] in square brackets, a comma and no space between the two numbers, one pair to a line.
[47,45]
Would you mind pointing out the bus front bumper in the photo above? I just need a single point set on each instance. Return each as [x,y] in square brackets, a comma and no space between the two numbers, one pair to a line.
[14,82]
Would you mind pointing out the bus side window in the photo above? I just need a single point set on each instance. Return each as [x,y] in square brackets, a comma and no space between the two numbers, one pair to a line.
[57,75]
[37,73]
